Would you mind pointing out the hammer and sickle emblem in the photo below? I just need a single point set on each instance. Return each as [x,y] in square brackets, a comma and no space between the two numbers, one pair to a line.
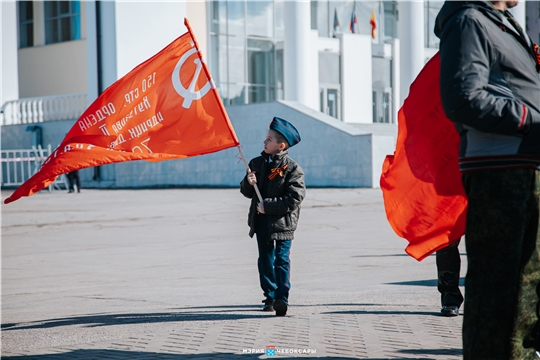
[189,94]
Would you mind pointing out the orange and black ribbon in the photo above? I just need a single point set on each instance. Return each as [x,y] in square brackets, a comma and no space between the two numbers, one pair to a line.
[537,52]
[277,171]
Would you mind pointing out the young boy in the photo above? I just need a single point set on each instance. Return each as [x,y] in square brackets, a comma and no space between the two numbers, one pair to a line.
[281,183]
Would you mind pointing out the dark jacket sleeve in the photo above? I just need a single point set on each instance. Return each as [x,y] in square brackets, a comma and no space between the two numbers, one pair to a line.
[291,199]
[467,60]
[245,188]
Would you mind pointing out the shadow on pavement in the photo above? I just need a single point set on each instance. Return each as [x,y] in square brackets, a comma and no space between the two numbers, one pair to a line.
[453,352]
[119,319]
[214,313]
[432,282]
[136,355]
[384,312]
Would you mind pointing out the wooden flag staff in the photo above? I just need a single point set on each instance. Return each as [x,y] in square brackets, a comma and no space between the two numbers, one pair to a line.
[248,169]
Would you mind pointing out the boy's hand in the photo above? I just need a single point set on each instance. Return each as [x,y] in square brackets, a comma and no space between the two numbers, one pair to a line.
[260,208]
[252,180]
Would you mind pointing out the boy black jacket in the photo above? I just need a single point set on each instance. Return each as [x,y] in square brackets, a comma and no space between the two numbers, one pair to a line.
[490,86]
[282,195]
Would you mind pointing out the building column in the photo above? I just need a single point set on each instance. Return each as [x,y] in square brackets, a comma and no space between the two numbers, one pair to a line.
[296,51]
[411,37]
[9,89]
[91,51]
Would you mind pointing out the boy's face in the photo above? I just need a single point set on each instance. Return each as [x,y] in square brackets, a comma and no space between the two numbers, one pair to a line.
[271,145]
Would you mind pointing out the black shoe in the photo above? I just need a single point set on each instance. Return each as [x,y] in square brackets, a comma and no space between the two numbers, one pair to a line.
[268,304]
[450,311]
[281,307]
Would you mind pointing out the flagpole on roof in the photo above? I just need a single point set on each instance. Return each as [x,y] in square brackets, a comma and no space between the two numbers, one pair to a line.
[248,169]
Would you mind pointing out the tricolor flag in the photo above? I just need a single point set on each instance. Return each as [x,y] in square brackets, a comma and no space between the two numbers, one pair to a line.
[373,23]
[165,108]
[337,26]
[424,198]
[354,22]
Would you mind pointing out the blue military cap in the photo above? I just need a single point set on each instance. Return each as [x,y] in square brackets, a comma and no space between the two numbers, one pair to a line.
[286,129]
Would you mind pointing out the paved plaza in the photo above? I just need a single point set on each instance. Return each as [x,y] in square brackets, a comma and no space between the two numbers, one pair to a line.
[172,274]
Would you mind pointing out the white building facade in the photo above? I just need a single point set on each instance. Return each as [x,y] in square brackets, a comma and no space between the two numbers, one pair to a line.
[350,61]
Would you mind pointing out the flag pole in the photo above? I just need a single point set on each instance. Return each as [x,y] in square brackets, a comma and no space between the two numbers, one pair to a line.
[249,170]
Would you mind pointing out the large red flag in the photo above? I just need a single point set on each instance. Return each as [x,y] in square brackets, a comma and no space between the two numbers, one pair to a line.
[423,193]
[165,108]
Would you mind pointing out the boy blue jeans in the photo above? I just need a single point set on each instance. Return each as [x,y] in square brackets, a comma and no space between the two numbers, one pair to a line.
[274,267]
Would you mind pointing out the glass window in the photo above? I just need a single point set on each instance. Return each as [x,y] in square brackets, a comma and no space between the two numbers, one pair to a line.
[218,69]
[381,72]
[246,57]
[279,20]
[324,19]
[62,21]
[314,15]
[390,19]
[219,17]
[26,23]
[260,18]
[237,95]
[235,18]
[236,59]
[261,68]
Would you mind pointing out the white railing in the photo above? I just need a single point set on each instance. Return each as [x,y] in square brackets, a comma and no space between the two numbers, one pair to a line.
[41,109]
[17,166]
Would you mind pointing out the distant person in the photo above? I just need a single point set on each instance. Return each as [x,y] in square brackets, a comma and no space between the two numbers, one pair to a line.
[448,268]
[74,180]
[490,89]
[281,183]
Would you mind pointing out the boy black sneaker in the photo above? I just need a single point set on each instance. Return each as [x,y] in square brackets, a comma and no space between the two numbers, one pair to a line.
[268,304]
[281,307]
[450,311]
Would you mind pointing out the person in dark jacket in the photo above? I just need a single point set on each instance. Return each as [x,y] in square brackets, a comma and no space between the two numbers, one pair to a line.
[490,89]
[274,220]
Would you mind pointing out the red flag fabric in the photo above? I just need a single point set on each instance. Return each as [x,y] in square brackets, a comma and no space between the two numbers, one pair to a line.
[373,23]
[165,108]
[423,193]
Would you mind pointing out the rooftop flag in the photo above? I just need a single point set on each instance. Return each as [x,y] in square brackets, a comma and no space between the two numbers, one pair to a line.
[354,22]
[165,108]
[337,26]
[424,198]
[373,23]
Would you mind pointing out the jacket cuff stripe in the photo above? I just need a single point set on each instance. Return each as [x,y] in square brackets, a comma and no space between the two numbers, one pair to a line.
[523,117]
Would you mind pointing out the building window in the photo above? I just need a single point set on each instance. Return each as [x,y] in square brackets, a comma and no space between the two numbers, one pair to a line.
[26,23]
[382,89]
[246,45]
[330,83]
[62,21]
[431,10]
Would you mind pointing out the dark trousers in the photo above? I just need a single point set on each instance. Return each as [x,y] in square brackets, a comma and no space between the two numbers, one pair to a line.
[74,179]
[274,267]
[448,268]
[502,286]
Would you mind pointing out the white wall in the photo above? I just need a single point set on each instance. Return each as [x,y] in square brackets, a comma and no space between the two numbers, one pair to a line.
[8,56]
[145,28]
[53,69]
[356,79]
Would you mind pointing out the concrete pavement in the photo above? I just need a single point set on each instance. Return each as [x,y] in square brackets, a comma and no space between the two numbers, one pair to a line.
[171,274]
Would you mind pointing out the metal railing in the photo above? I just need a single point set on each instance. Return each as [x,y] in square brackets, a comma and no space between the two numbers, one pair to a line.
[44,108]
[17,166]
